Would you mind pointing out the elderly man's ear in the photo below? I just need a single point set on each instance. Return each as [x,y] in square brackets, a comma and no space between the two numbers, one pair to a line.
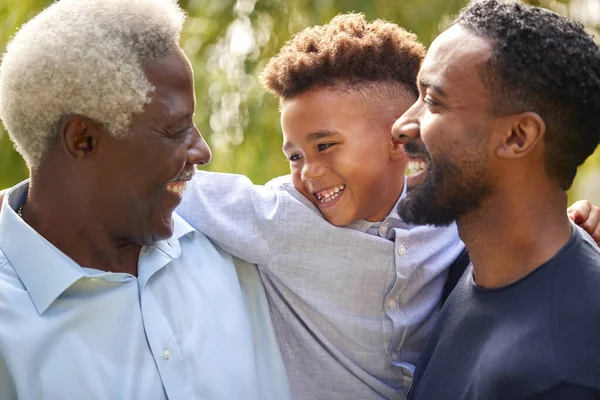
[79,136]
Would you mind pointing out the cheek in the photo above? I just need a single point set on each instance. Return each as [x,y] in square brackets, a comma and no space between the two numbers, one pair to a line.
[296,177]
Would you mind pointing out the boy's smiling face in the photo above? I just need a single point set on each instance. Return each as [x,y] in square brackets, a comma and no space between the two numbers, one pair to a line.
[342,155]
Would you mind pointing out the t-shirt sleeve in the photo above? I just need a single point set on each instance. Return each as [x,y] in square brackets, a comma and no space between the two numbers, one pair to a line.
[237,215]
[566,391]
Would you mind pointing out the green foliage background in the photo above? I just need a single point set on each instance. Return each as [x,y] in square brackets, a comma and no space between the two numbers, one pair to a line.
[230,41]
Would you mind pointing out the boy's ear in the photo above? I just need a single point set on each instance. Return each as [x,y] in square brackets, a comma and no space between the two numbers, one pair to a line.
[396,149]
[79,137]
[523,134]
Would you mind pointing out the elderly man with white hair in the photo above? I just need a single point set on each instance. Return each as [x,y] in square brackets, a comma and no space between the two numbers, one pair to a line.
[105,293]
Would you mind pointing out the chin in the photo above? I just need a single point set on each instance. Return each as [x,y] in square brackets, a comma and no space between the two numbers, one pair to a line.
[422,206]
[162,231]
[337,220]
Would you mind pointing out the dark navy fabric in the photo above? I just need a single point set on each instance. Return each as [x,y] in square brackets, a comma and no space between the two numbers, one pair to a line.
[538,338]
[457,269]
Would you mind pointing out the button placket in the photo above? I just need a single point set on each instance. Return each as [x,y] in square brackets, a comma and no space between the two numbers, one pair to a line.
[402,248]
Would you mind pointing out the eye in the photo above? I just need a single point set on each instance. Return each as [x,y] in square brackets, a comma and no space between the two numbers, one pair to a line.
[294,157]
[324,146]
[430,101]
[180,135]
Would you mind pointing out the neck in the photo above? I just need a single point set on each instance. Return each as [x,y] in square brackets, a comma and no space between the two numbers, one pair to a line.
[62,214]
[508,238]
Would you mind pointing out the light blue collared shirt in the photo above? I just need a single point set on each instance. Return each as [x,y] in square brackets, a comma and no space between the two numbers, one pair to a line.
[180,330]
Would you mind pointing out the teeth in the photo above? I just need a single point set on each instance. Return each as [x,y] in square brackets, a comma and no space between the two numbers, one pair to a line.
[416,166]
[327,195]
[177,188]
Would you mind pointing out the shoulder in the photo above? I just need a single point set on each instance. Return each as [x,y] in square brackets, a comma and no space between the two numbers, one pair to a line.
[577,268]
[284,186]
[575,310]
[196,242]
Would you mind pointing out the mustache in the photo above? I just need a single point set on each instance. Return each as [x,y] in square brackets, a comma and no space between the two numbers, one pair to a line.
[414,148]
[185,175]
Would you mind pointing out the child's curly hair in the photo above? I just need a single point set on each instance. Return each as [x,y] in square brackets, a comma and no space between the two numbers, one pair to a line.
[346,51]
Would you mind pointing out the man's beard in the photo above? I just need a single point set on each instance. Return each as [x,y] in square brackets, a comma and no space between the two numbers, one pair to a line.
[448,191]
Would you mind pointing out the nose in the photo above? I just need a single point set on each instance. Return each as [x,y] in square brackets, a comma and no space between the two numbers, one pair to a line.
[311,171]
[407,127]
[198,151]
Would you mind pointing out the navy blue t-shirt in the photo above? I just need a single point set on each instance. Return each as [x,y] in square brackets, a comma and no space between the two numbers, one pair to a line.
[538,338]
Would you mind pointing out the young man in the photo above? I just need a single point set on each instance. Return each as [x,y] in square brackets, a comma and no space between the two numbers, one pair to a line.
[353,289]
[508,106]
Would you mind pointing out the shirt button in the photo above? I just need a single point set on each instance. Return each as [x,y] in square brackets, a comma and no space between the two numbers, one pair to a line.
[401,249]
[166,354]
[383,229]
[93,279]
[395,356]
[391,303]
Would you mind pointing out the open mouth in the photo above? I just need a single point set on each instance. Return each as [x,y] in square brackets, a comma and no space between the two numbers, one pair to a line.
[176,188]
[416,172]
[178,185]
[328,195]
[416,166]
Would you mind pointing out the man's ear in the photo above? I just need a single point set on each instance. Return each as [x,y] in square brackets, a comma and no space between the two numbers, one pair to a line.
[525,131]
[79,136]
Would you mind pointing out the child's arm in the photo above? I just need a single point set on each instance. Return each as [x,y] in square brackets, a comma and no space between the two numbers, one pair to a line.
[239,216]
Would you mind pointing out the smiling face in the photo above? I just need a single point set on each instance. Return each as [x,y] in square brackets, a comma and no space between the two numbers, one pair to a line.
[450,125]
[342,157]
[143,176]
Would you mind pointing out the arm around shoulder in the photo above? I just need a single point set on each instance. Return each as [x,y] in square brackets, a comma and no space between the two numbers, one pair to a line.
[239,216]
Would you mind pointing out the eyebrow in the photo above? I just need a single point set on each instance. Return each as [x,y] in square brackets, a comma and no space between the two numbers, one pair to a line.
[172,121]
[311,138]
[427,84]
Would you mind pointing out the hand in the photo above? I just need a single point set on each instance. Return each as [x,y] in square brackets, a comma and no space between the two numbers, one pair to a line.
[587,216]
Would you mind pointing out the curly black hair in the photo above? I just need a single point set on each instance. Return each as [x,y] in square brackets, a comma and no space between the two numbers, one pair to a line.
[344,52]
[548,64]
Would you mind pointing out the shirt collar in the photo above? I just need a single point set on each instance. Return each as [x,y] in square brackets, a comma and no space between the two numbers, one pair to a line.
[45,271]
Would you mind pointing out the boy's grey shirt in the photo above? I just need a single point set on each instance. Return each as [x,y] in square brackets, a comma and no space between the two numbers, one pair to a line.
[351,310]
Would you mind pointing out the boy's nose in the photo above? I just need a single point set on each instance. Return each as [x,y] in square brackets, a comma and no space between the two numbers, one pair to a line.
[312,171]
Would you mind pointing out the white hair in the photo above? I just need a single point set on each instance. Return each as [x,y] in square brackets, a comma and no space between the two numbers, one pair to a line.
[82,57]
